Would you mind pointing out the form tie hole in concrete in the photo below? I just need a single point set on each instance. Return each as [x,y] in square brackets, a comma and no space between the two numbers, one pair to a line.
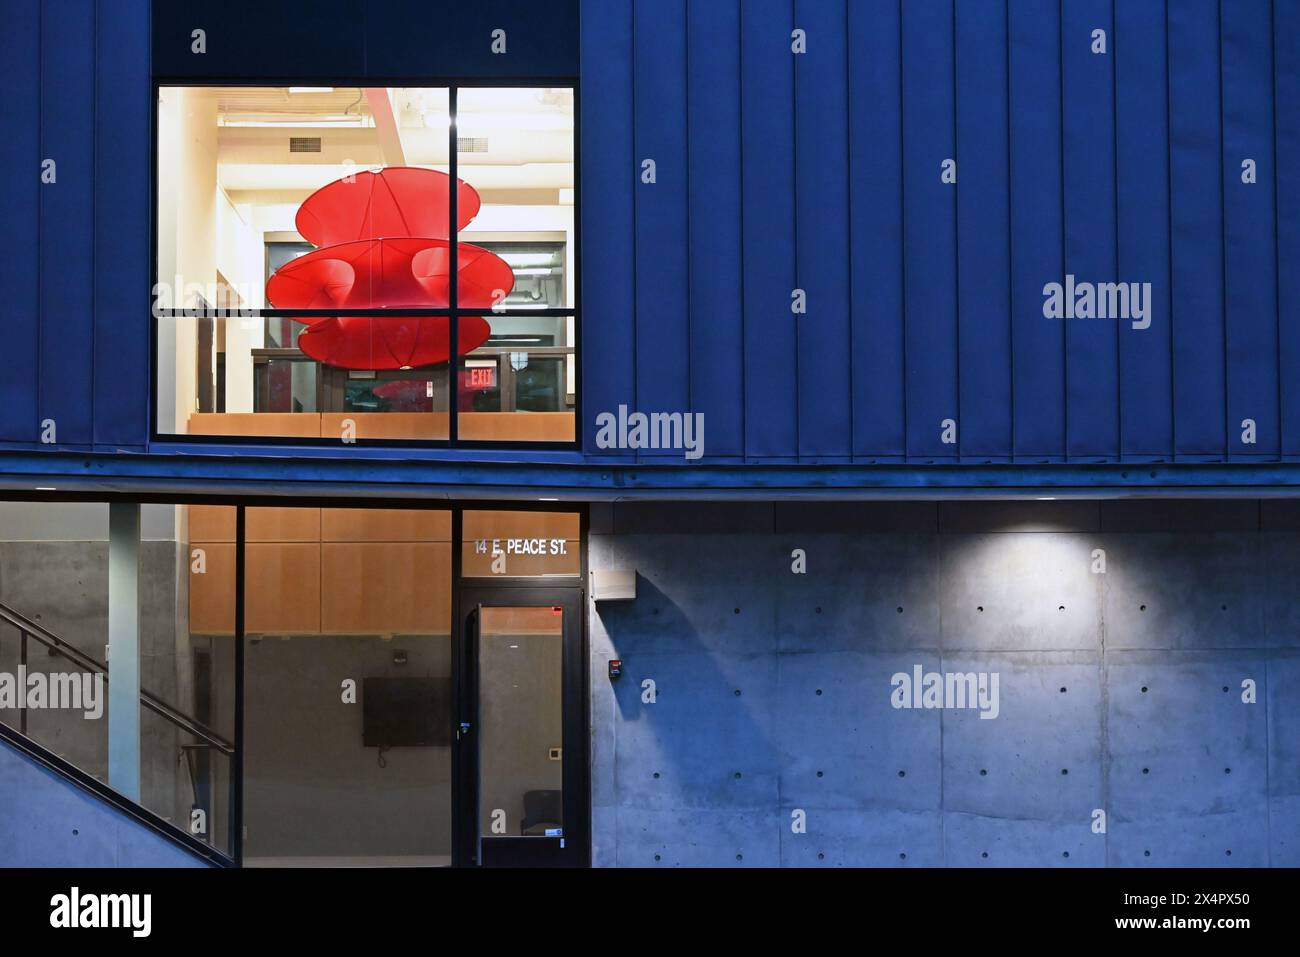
[740,857]
[1223,607]
[979,607]
[1146,853]
[656,775]
[75,832]
[1142,607]
[737,692]
[902,856]
[1062,690]
[819,692]
[1144,689]
[820,773]
[1065,770]
[1228,852]
[984,772]
[1146,770]
[735,611]
[985,854]
[1065,853]
[1227,770]
[1225,689]
[821,857]
[1060,608]
[899,609]
[737,775]
[658,858]
[819,609]
[902,774]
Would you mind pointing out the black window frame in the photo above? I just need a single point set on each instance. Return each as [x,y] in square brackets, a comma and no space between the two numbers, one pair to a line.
[463,818]
[453,441]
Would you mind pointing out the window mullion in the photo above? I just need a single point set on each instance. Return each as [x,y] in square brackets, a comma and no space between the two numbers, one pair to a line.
[453,277]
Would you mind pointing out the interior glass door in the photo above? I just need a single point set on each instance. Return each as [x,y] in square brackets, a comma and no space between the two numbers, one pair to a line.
[524,726]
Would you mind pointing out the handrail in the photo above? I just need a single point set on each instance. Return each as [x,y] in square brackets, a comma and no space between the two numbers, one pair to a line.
[84,661]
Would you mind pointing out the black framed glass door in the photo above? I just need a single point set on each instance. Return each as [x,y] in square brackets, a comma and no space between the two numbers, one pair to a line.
[522,727]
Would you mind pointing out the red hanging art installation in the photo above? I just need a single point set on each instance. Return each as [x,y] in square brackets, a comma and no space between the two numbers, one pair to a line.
[383,242]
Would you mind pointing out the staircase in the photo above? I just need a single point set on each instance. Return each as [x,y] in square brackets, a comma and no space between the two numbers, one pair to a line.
[55,813]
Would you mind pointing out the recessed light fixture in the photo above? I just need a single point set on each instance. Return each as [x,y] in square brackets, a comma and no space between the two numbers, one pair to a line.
[311,89]
[548,500]
[46,488]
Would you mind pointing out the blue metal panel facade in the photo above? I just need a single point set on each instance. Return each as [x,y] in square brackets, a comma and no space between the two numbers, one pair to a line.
[775,170]
[1096,140]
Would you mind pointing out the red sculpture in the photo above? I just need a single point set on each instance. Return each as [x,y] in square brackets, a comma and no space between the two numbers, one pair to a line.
[383,241]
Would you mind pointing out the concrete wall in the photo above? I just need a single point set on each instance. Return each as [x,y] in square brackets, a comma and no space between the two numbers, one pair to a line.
[54,570]
[50,822]
[1119,691]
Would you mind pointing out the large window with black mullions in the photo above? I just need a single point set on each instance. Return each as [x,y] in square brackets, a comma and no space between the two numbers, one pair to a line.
[366,264]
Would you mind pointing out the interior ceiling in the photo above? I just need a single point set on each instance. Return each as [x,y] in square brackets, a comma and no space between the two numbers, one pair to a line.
[522,138]
[277,104]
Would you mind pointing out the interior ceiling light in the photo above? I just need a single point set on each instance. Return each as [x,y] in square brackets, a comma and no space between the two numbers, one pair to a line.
[383,242]
[311,89]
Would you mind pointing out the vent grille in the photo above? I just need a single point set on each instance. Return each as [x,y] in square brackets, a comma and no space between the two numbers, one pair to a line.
[471,144]
[304,144]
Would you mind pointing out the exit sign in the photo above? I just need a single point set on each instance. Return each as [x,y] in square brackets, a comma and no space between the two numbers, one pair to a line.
[479,377]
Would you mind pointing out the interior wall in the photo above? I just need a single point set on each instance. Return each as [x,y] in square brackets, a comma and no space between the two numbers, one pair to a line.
[1120,691]
[187,211]
[240,252]
[519,722]
[332,571]
[311,790]
[60,581]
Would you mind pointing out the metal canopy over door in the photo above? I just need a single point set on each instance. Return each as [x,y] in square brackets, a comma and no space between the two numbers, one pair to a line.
[522,733]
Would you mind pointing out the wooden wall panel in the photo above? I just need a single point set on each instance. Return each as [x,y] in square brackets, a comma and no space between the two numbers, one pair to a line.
[517,426]
[273,524]
[211,523]
[291,424]
[379,571]
[282,589]
[385,525]
[383,588]
[212,592]
[479,426]
[385,425]
[522,621]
